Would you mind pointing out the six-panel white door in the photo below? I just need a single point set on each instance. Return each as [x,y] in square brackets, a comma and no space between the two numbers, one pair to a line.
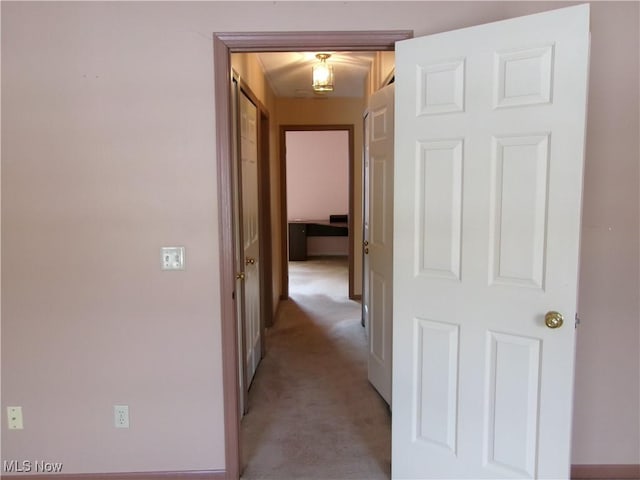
[490,130]
[378,238]
[250,238]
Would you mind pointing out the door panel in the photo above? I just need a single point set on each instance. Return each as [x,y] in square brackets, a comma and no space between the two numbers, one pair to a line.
[519,189]
[513,381]
[378,238]
[488,185]
[377,349]
[437,364]
[440,208]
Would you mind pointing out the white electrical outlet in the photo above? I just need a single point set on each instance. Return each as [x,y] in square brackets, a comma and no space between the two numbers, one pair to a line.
[121,416]
[172,258]
[14,418]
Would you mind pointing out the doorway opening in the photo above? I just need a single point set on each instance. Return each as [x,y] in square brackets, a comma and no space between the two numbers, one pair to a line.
[224,45]
[317,171]
[311,411]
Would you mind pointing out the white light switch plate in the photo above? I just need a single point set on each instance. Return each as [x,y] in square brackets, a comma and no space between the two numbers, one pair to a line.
[172,258]
[14,418]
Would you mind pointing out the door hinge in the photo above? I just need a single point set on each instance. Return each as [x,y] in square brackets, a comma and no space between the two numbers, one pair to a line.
[577,321]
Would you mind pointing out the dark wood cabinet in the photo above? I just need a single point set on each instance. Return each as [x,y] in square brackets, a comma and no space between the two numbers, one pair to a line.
[300,230]
[297,241]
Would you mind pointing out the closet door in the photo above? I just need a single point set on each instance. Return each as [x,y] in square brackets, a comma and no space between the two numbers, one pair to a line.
[378,238]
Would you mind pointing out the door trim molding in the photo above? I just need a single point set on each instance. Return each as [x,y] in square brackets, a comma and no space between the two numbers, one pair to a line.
[223,45]
[238,42]
[226,252]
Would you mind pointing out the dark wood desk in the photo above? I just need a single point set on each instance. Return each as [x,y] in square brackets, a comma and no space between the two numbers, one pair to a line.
[299,230]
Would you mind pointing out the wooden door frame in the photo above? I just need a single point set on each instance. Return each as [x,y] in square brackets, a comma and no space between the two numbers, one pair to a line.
[284,224]
[266,272]
[223,45]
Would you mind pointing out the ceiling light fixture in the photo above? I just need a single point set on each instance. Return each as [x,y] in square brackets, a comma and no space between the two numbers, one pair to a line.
[322,74]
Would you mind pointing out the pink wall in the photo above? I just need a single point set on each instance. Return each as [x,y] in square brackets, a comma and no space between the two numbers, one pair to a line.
[108,153]
[317,174]
[607,358]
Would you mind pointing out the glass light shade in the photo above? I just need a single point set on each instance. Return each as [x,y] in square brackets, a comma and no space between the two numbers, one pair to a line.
[322,75]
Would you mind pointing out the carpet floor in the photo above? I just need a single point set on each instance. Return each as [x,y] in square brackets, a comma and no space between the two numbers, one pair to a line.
[312,412]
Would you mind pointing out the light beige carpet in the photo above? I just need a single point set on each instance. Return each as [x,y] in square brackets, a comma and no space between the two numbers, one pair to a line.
[312,412]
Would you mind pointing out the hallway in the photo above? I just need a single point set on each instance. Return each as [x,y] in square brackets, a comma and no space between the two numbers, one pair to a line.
[312,412]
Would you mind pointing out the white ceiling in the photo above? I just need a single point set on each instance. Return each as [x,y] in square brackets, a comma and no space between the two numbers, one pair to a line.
[289,73]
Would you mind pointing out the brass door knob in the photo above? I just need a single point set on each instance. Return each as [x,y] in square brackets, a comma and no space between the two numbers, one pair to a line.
[250,261]
[366,243]
[366,250]
[240,276]
[553,319]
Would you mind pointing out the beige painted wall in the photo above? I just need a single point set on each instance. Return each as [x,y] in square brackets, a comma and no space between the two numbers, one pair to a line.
[248,67]
[382,69]
[108,153]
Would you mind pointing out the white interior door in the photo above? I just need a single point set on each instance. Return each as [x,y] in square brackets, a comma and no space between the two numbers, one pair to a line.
[238,243]
[378,238]
[366,197]
[250,239]
[490,131]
